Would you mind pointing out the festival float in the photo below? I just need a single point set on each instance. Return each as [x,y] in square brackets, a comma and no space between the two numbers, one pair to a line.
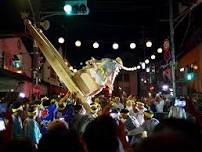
[86,82]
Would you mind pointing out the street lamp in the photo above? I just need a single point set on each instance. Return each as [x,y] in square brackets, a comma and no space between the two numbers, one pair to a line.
[132,45]
[159,50]
[153,57]
[148,44]
[115,46]
[95,45]
[78,43]
[147,61]
[61,40]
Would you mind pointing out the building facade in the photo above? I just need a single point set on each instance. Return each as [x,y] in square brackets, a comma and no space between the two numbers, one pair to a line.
[16,72]
[192,59]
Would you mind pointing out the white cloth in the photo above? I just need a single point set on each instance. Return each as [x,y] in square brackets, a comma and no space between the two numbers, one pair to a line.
[140,117]
[131,123]
[150,124]
[160,106]
[136,131]
[118,106]
[98,77]
[177,112]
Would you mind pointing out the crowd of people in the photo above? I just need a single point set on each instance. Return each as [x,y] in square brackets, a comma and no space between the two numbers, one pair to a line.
[113,124]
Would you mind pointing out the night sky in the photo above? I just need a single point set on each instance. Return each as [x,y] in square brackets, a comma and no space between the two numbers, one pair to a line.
[108,21]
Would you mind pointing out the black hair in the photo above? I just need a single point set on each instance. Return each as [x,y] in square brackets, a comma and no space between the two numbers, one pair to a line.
[101,135]
[60,138]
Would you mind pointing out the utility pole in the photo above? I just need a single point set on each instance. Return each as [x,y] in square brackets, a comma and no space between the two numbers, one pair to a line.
[35,9]
[172,46]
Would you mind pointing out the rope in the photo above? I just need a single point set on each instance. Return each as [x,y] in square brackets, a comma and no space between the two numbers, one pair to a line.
[127,69]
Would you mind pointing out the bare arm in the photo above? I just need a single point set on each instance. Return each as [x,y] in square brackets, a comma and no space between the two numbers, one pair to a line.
[63,99]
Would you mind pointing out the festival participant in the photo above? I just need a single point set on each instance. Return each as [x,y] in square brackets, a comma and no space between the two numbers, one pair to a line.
[17,127]
[6,122]
[65,107]
[46,114]
[139,110]
[101,135]
[133,127]
[130,103]
[177,110]
[117,104]
[65,111]
[60,113]
[94,108]
[80,120]
[59,138]
[129,121]
[150,122]
[176,135]
[31,126]
[159,104]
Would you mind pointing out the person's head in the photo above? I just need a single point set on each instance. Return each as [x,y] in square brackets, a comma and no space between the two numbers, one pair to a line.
[17,107]
[45,102]
[101,135]
[53,101]
[59,138]
[53,125]
[19,144]
[117,100]
[172,135]
[172,142]
[183,126]
[158,98]
[32,111]
[124,113]
[148,114]
[78,108]
[61,107]
[140,106]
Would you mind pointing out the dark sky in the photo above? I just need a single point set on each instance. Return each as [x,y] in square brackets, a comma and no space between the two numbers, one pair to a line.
[121,21]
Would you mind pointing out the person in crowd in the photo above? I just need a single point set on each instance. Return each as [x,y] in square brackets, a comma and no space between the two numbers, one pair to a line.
[65,108]
[139,109]
[124,97]
[59,138]
[80,120]
[46,114]
[77,117]
[25,105]
[116,104]
[191,110]
[101,135]
[130,103]
[150,122]
[17,126]
[167,105]
[95,109]
[178,110]
[173,135]
[133,122]
[151,104]
[31,126]
[19,144]
[129,121]
[6,128]
[159,104]
[61,111]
